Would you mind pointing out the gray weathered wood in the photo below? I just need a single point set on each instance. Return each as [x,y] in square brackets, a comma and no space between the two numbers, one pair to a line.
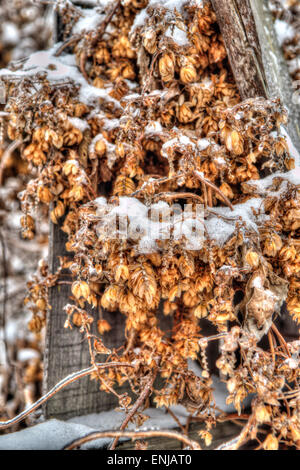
[223,432]
[66,351]
[236,21]
[256,59]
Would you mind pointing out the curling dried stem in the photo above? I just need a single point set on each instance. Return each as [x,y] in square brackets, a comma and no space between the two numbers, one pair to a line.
[214,187]
[69,42]
[59,386]
[145,393]
[134,435]
[281,340]
[6,155]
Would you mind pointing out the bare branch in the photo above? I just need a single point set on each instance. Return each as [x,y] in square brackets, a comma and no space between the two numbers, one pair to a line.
[214,187]
[134,435]
[10,149]
[59,386]
[145,393]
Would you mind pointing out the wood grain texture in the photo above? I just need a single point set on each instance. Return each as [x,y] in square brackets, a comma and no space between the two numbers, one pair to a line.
[236,21]
[278,80]
[255,57]
[66,351]
[221,433]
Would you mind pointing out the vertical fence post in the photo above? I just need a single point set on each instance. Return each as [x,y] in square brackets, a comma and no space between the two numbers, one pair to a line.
[255,57]
[66,351]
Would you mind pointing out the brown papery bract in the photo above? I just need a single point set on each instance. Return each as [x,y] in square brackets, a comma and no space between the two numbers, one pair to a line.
[170,127]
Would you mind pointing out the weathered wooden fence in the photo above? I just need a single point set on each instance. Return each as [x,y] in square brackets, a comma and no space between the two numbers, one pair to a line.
[259,70]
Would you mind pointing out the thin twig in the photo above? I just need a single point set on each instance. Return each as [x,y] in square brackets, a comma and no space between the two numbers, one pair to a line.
[281,339]
[221,216]
[6,155]
[134,409]
[5,297]
[131,341]
[185,431]
[134,435]
[59,386]
[214,187]
[178,196]
[270,338]
[238,441]
[67,43]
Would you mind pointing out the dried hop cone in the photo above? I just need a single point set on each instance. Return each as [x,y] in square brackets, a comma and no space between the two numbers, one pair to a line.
[80,289]
[188,74]
[149,41]
[166,67]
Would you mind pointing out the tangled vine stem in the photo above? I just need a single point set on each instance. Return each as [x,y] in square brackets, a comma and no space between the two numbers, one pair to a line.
[145,393]
[69,42]
[5,296]
[59,386]
[237,442]
[214,187]
[5,157]
[134,435]
[104,24]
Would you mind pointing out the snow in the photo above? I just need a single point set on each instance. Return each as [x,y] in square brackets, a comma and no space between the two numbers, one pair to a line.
[180,141]
[257,282]
[284,31]
[63,69]
[154,127]
[27,354]
[10,33]
[90,20]
[51,435]
[292,363]
[79,124]
[178,35]
[206,83]
[141,223]
[110,124]
[220,230]
[292,149]
[140,20]
[55,434]
[202,144]
[292,176]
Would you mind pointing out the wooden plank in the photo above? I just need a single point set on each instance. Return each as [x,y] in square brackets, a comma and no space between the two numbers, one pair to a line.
[221,433]
[238,29]
[66,350]
[255,57]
